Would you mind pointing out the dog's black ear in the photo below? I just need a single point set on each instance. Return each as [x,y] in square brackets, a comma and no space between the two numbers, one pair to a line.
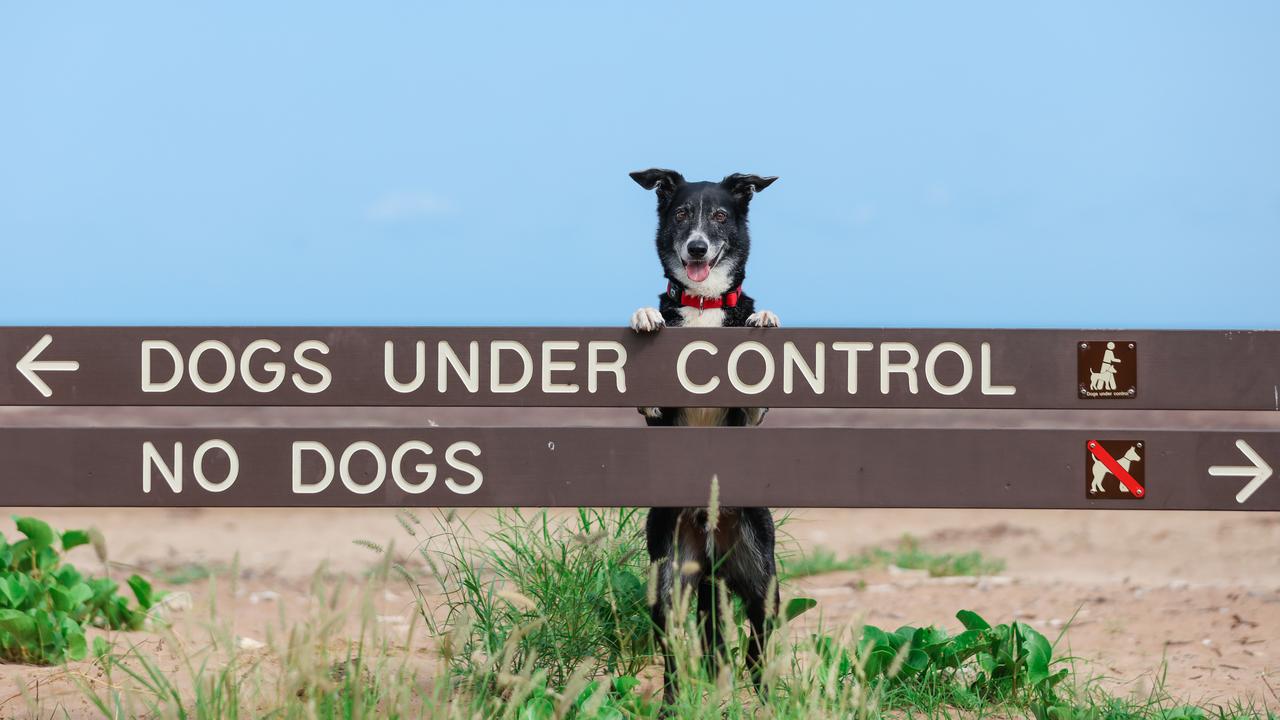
[664,181]
[744,186]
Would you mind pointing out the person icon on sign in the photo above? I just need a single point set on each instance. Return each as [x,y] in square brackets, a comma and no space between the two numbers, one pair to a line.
[1106,376]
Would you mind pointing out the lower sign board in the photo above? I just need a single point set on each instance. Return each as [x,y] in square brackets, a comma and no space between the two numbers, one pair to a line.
[567,467]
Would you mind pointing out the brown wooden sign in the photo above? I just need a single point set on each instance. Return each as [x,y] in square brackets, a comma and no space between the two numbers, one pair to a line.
[372,366]
[793,467]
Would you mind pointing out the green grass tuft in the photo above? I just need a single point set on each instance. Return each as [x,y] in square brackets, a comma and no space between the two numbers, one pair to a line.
[907,554]
[819,561]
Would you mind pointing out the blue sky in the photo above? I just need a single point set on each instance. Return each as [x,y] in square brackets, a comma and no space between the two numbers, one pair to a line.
[942,164]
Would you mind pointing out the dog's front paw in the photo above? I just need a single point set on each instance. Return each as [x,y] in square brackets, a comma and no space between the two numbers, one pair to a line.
[647,320]
[764,318]
[652,413]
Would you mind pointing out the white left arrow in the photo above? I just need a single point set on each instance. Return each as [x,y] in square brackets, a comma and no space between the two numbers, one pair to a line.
[29,365]
[1259,471]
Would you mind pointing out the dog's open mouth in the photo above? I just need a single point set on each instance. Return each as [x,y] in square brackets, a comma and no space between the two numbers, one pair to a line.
[697,271]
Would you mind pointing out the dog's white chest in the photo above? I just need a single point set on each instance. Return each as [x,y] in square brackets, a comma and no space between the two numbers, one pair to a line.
[693,317]
[701,417]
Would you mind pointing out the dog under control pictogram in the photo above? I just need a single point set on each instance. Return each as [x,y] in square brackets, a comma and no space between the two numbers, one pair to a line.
[1107,369]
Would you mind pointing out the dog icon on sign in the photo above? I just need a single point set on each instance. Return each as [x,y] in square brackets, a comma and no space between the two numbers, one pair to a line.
[1115,469]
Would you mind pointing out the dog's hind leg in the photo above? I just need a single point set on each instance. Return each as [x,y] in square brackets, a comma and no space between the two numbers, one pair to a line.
[660,536]
[658,613]
[760,613]
[750,572]
[710,620]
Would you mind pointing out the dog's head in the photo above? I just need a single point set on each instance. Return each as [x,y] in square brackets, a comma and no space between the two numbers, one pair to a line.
[702,228]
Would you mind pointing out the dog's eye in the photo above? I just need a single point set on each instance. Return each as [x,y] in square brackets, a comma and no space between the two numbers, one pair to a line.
[682,215]
[720,216]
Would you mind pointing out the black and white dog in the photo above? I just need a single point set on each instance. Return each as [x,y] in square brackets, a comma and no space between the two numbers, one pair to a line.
[703,245]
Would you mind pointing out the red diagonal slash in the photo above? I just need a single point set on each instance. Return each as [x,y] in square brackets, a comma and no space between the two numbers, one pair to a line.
[1121,474]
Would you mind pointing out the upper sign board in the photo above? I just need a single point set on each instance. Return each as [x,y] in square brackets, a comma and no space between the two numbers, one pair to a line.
[424,366]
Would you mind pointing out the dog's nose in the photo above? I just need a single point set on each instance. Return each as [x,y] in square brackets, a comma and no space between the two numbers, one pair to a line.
[697,249]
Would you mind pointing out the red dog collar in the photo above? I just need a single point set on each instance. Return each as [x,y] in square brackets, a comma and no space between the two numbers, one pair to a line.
[729,299]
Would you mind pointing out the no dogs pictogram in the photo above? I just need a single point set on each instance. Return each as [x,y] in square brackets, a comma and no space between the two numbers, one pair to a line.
[1115,469]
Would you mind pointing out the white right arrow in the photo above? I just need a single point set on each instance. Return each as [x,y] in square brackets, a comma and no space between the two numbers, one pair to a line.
[29,366]
[1259,471]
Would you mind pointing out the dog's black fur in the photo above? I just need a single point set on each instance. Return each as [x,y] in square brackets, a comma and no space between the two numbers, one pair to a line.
[703,243]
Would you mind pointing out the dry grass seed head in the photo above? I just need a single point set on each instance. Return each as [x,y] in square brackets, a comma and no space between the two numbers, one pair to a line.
[713,505]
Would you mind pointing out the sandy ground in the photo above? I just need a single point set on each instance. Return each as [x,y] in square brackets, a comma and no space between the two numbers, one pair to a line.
[1193,595]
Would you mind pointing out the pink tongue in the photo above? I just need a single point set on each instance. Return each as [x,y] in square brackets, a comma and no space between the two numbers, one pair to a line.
[697,271]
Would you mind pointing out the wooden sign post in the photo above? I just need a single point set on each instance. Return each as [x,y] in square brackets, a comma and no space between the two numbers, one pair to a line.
[1153,467]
